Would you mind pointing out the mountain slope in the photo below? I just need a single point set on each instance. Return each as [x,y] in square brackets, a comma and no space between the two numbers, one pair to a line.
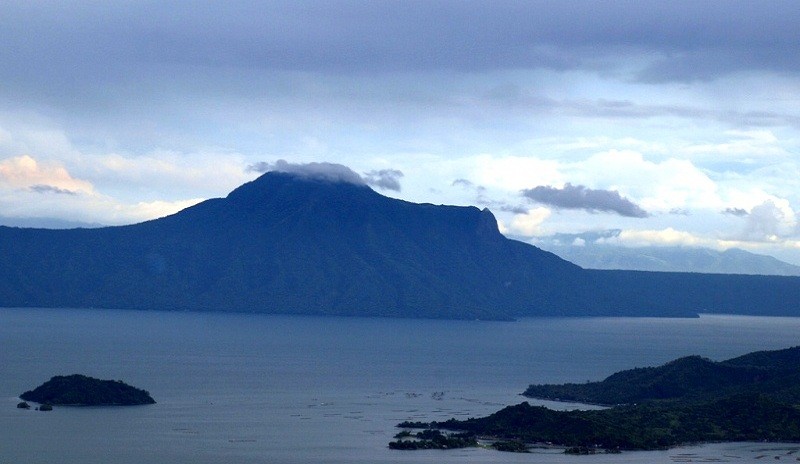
[765,372]
[290,244]
[284,244]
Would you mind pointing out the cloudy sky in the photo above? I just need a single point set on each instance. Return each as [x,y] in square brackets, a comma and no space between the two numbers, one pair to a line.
[675,122]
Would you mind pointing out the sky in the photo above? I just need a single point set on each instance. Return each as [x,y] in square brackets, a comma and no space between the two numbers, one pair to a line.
[623,122]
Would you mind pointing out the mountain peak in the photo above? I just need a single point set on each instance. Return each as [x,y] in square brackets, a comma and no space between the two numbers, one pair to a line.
[318,243]
[275,180]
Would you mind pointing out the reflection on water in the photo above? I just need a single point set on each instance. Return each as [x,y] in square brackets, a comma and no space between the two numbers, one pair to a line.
[249,388]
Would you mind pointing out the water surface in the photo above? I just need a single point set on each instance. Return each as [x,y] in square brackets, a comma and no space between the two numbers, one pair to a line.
[244,388]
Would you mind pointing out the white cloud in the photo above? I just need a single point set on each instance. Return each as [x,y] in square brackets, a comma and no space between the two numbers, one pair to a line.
[742,145]
[86,208]
[30,188]
[142,211]
[663,237]
[25,172]
[530,224]
[168,173]
[656,186]
[771,221]
[514,172]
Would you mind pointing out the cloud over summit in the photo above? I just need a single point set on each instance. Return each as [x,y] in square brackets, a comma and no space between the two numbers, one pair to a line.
[387,179]
[330,172]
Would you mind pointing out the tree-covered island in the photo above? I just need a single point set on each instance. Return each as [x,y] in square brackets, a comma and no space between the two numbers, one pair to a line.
[755,397]
[80,390]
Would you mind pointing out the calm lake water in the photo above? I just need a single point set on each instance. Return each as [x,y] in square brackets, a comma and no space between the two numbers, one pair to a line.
[238,388]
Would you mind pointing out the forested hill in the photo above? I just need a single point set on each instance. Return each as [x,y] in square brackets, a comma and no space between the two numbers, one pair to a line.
[776,373]
[689,400]
[290,244]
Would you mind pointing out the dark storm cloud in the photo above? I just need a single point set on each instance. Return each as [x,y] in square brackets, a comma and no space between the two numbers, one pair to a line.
[581,197]
[67,44]
[41,188]
[387,179]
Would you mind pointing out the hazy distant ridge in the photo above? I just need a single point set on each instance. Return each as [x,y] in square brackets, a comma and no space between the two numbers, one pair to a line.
[673,259]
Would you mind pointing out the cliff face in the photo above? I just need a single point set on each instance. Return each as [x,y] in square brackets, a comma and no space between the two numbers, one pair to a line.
[288,244]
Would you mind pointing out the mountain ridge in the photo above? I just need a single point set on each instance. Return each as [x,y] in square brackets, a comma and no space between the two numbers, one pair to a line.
[285,243]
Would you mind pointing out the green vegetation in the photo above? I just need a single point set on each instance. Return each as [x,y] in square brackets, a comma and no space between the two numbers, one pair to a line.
[585,450]
[80,390]
[432,439]
[755,397]
[776,373]
[511,446]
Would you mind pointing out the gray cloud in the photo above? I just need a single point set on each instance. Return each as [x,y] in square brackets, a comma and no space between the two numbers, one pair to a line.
[467,184]
[483,200]
[324,171]
[462,183]
[766,221]
[502,206]
[388,179]
[736,212]
[581,197]
[41,188]
[694,40]
[259,167]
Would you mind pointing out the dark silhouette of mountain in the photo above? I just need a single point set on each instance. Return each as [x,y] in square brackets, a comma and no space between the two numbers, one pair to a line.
[285,243]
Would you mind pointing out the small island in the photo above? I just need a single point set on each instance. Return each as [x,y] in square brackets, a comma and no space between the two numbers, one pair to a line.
[755,397]
[80,390]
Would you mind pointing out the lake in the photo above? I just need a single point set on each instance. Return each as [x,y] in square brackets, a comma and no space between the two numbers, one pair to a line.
[246,388]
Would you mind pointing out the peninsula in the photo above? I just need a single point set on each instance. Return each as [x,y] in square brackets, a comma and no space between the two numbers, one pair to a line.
[80,390]
[754,397]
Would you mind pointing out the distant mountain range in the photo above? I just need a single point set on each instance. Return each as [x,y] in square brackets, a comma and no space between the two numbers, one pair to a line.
[673,259]
[45,223]
[285,243]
